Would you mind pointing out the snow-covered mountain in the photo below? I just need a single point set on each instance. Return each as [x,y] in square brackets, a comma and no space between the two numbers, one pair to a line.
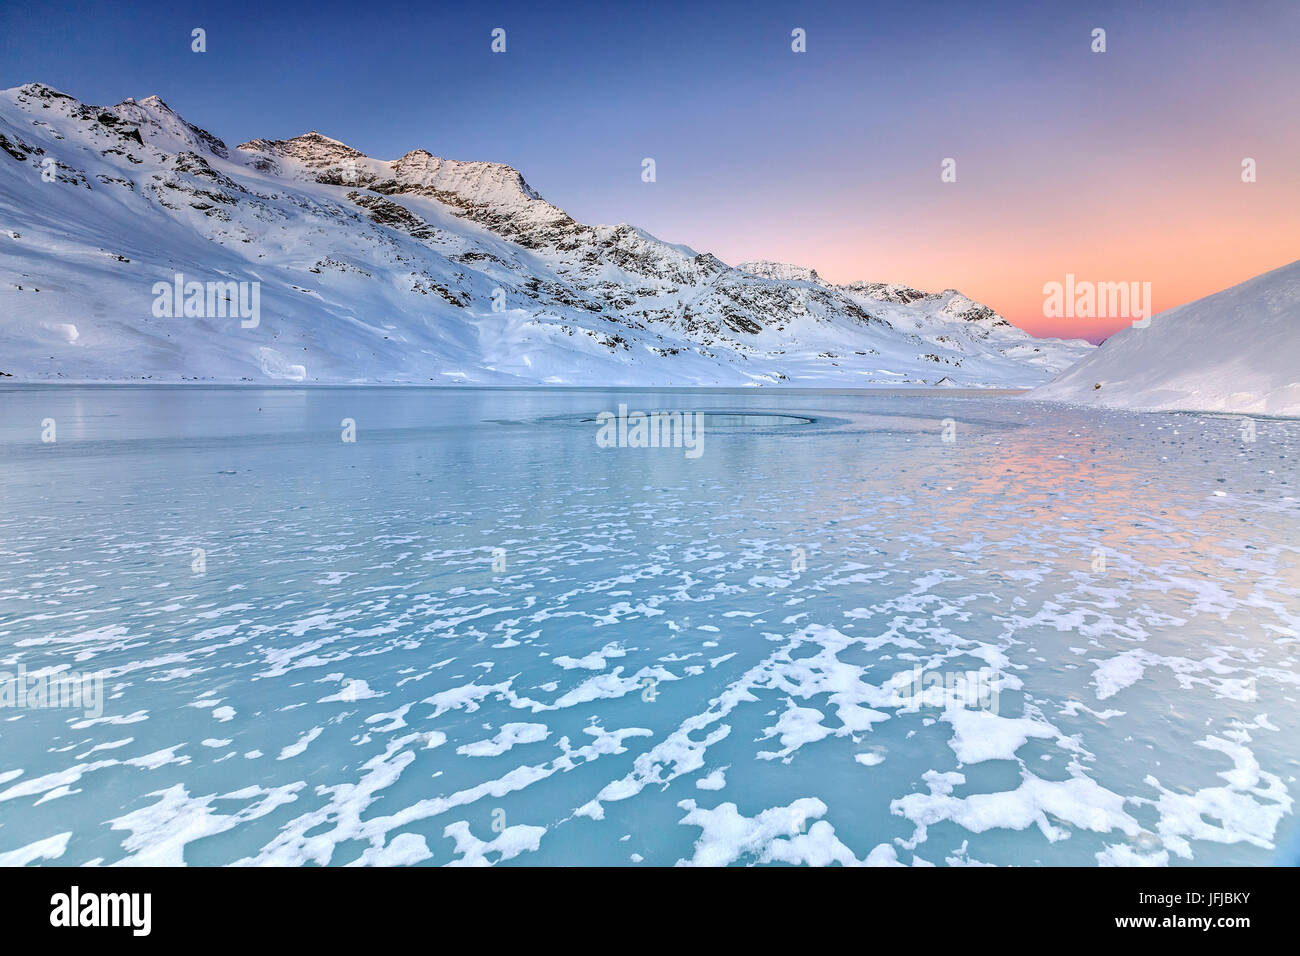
[305,260]
[1235,351]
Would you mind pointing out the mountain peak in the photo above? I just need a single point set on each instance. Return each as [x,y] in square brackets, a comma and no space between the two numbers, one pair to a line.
[312,149]
[41,90]
[392,270]
[166,129]
[782,271]
[149,120]
[314,136]
[966,309]
[478,182]
[889,292]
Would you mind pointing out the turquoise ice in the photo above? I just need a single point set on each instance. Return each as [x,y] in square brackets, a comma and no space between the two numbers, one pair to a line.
[473,636]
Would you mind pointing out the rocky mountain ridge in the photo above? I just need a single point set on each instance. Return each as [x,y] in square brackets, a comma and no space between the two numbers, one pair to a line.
[419,270]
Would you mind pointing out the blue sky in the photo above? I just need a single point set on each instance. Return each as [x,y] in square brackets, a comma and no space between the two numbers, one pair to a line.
[828,158]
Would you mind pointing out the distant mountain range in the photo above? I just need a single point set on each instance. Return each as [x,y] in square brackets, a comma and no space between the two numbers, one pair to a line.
[137,246]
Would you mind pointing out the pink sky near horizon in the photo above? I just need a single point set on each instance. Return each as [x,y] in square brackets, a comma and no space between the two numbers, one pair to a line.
[1122,167]
[1194,232]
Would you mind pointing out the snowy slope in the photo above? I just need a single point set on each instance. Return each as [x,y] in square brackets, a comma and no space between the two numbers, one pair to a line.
[1235,351]
[419,270]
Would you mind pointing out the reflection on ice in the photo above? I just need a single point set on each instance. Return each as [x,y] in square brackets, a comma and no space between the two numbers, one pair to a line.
[845,632]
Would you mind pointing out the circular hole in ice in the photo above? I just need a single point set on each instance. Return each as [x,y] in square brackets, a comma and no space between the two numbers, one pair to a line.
[729,419]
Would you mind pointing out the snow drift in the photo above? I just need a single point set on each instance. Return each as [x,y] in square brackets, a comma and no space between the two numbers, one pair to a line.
[1234,351]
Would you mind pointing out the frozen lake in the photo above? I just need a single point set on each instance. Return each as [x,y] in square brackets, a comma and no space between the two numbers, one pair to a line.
[475,635]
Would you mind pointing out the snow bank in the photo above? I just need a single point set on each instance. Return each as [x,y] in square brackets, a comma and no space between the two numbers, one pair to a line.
[1235,351]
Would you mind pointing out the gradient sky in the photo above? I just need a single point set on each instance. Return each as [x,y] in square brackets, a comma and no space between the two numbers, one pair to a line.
[1122,166]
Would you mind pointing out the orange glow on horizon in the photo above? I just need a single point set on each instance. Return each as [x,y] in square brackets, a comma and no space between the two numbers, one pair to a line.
[1189,230]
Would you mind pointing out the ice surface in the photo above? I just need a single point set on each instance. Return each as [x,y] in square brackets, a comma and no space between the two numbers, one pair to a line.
[668,660]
